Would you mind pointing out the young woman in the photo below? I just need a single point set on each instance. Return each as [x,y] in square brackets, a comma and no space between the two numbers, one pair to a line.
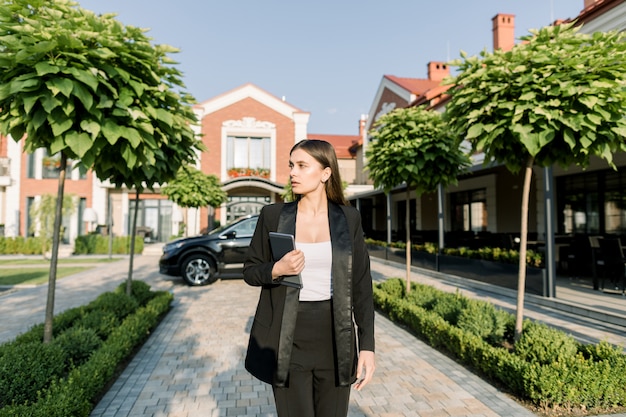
[304,341]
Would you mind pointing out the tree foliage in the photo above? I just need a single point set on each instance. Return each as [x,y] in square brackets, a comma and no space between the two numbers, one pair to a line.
[557,98]
[411,145]
[95,90]
[193,188]
[91,89]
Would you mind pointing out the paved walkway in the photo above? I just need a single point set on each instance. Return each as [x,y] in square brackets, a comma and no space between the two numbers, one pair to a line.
[192,365]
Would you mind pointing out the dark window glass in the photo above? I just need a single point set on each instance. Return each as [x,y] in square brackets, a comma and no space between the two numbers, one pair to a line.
[469,210]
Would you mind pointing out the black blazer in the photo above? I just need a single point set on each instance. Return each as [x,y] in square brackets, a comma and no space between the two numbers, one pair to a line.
[271,336]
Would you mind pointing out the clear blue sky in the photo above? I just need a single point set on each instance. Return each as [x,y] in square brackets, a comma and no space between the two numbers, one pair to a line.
[326,57]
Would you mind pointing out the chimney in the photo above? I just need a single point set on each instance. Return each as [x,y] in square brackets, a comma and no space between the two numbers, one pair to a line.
[503,31]
[437,71]
[362,123]
[589,3]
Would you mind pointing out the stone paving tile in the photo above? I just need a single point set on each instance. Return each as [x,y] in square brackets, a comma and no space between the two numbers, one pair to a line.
[192,365]
[198,368]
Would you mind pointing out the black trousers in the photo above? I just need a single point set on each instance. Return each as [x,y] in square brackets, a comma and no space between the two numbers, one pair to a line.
[312,389]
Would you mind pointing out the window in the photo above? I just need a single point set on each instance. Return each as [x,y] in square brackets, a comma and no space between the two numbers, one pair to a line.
[245,228]
[30,166]
[615,203]
[154,219]
[592,203]
[580,204]
[51,166]
[469,210]
[248,152]
[239,206]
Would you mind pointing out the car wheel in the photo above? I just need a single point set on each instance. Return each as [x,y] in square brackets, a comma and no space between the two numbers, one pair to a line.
[199,270]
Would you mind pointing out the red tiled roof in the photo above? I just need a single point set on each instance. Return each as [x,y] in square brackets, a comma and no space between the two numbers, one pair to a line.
[341,143]
[432,97]
[416,86]
[595,10]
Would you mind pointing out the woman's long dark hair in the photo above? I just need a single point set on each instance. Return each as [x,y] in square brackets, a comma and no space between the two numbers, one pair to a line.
[324,153]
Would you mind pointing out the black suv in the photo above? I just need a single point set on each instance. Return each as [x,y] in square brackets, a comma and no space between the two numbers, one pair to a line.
[200,259]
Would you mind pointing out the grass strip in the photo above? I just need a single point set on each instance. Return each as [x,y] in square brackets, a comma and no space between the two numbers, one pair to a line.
[35,276]
[41,261]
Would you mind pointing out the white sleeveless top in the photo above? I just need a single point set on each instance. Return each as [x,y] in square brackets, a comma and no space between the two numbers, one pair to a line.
[316,282]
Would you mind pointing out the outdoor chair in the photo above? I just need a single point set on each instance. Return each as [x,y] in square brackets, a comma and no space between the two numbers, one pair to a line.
[579,260]
[613,264]
[594,243]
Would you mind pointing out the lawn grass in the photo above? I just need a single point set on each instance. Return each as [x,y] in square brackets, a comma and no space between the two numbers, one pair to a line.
[35,276]
[41,261]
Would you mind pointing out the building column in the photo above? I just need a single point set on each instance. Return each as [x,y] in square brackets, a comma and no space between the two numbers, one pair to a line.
[550,211]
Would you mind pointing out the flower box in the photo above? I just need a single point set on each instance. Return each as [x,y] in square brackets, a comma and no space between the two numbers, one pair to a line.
[248,172]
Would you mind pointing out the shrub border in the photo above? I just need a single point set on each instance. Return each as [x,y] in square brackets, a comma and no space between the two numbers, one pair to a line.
[579,383]
[77,394]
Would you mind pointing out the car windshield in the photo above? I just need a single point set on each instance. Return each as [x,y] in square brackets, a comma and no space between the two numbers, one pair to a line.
[216,230]
[242,227]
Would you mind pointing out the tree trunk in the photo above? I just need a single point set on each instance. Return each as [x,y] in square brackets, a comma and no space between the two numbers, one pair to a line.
[521,281]
[110,225]
[52,277]
[186,222]
[133,233]
[407,225]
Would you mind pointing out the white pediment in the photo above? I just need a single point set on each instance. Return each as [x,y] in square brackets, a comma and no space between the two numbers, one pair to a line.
[248,91]
[248,123]
[387,84]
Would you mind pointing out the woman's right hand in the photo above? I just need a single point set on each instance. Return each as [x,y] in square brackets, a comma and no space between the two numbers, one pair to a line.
[290,264]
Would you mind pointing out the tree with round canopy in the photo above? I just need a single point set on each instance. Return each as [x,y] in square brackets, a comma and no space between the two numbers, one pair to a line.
[194,189]
[412,146]
[557,98]
[97,92]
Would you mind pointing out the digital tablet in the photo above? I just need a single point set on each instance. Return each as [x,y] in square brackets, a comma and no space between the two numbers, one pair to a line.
[281,243]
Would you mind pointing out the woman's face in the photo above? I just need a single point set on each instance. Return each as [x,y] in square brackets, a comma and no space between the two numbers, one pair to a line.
[307,174]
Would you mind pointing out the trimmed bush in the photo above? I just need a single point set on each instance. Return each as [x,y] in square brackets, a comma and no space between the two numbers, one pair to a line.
[118,303]
[448,306]
[20,245]
[28,368]
[546,367]
[543,345]
[509,256]
[102,323]
[140,291]
[98,244]
[484,320]
[393,287]
[78,365]
[78,343]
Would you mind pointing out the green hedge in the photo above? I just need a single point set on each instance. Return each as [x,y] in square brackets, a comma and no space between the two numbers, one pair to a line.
[83,245]
[97,244]
[20,245]
[67,376]
[508,256]
[546,367]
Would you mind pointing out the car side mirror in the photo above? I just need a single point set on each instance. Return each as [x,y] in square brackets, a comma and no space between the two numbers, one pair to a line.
[229,235]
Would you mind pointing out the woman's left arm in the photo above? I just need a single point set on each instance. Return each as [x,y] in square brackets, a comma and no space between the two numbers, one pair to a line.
[363,305]
[365,369]
[363,301]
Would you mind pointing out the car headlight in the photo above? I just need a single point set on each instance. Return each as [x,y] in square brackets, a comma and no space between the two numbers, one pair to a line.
[168,247]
